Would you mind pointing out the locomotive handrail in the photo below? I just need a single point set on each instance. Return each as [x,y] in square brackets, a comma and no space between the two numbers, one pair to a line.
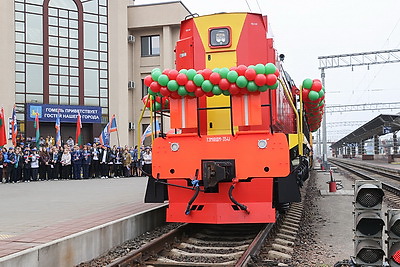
[140,120]
[299,130]
[211,108]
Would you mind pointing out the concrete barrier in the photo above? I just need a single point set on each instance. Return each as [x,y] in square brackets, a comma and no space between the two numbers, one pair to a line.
[89,244]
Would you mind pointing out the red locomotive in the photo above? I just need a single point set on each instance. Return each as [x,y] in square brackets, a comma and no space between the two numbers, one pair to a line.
[240,144]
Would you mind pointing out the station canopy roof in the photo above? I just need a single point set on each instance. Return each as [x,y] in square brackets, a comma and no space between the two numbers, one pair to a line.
[381,125]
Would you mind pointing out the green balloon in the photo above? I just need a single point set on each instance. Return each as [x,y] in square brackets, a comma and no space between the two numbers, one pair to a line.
[163,80]
[273,87]
[216,70]
[241,82]
[150,92]
[263,88]
[232,76]
[198,79]
[307,83]
[207,86]
[251,86]
[191,73]
[155,75]
[155,69]
[191,94]
[216,90]
[223,72]
[251,67]
[183,71]
[321,103]
[321,93]
[172,85]
[260,69]
[157,106]
[270,68]
[226,92]
[182,91]
[312,95]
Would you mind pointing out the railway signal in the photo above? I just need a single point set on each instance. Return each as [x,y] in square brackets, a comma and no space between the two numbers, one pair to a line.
[368,223]
[393,233]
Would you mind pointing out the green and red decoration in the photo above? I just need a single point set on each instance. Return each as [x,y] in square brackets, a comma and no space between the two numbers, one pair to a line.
[190,83]
[313,94]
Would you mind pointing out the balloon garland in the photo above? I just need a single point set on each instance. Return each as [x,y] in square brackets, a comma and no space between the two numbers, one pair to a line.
[171,83]
[313,94]
[240,80]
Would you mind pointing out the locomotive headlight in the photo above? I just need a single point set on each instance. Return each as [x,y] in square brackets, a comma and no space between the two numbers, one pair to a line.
[174,147]
[262,143]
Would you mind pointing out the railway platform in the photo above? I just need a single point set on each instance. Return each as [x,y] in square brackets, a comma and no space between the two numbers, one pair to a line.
[334,219]
[62,223]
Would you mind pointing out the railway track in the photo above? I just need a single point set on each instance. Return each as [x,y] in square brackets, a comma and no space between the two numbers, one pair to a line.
[390,178]
[220,245]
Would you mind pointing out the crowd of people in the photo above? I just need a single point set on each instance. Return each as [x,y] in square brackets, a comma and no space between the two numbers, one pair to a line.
[26,163]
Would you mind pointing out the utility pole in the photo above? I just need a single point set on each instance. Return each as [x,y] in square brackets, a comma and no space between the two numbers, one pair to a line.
[351,60]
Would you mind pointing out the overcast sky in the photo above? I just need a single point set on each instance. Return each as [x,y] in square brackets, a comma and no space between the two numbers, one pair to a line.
[304,30]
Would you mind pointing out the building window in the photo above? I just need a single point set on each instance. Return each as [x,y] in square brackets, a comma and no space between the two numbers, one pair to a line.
[144,89]
[150,45]
[61,53]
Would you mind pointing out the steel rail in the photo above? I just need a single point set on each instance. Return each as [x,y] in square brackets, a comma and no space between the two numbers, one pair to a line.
[350,167]
[155,246]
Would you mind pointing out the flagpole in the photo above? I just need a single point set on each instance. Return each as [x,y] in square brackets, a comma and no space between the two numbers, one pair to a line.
[118,138]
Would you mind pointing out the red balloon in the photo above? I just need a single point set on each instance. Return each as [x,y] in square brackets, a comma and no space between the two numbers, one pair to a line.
[316,85]
[244,91]
[199,72]
[305,94]
[271,79]
[155,87]
[233,89]
[148,80]
[166,71]
[215,78]
[190,86]
[233,68]
[260,79]
[174,95]
[224,84]
[144,99]
[241,69]
[158,99]
[276,73]
[164,91]
[209,94]
[250,74]
[181,79]
[198,92]
[172,74]
[206,74]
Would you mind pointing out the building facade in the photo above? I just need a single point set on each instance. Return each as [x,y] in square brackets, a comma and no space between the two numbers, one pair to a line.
[74,55]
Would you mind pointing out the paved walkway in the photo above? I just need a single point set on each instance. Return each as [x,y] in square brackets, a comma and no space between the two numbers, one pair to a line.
[38,212]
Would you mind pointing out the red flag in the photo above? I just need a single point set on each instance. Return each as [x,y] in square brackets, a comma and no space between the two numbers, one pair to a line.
[78,136]
[3,137]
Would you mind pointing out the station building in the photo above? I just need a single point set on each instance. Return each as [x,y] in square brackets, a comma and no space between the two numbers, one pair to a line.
[89,56]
